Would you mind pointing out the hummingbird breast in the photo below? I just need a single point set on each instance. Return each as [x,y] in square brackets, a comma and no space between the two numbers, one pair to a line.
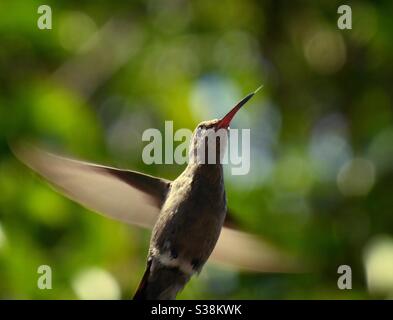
[191,219]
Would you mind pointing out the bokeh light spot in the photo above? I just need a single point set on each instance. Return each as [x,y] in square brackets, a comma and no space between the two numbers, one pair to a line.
[325,51]
[213,96]
[356,177]
[75,29]
[97,284]
[378,261]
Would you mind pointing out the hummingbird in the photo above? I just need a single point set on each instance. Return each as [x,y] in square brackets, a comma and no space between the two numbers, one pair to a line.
[188,215]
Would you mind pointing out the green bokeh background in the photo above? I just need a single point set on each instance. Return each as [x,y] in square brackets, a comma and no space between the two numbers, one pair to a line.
[320,185]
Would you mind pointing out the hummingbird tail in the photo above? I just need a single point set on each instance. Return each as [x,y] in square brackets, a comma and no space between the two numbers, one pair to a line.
[140,293]
[160,282]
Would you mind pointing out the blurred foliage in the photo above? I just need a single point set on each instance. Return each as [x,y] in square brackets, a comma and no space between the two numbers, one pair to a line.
[321,175]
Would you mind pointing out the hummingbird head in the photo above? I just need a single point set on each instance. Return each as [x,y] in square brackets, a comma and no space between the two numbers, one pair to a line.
[210,137]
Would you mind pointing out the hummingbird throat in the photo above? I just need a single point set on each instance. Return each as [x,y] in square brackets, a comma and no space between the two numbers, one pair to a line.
[203,146]
[208,146]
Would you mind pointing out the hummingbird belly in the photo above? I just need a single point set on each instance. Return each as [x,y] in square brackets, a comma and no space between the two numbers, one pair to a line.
[189,226]
[188,248]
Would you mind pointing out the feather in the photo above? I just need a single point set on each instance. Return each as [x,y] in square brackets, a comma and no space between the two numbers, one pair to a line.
[136,199]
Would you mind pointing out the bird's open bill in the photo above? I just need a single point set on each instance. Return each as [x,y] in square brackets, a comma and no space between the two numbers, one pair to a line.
[136,199]
[226,120]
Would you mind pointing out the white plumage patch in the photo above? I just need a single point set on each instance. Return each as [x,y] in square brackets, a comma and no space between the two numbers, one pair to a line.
[166,259]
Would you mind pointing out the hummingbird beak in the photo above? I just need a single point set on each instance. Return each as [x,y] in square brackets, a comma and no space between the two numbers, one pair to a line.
[226,120]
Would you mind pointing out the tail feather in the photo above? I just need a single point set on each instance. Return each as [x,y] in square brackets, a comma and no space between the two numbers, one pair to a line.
[140,293]
[160,282]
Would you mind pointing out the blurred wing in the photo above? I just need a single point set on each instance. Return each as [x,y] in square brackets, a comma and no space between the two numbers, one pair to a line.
[127,196]
[136,198]
[250,253]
